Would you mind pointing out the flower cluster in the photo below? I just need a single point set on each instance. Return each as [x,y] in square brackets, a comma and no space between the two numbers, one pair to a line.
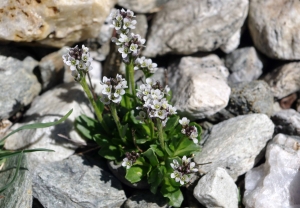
[189,131]
[130,159]
[145,65]
[154,100]
[79,60]
[113,89]
[182,172]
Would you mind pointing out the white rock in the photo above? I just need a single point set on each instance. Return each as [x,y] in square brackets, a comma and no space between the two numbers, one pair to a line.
[192,82]
[275,184]
[52,22]
[49,107]
[185,27]
[284,80]
[234,144]
[272,26]
[144,6]
[232,43]
[217,189]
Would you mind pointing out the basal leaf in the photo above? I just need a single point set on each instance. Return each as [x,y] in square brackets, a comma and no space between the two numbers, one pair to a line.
[171,123]
[150,155]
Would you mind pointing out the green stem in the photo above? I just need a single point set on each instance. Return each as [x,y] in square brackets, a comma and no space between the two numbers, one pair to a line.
[92,101]
[130,74]
[160,133]
[151,126]
[114,114]
[127,90]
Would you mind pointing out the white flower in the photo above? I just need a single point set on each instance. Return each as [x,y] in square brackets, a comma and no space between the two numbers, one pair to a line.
[133,48]
[176,175]
[149,81]
[164,122]
[114,14]
[129,23]
[124,51]
[85,49]
[115,99]
[105,80]
[126,163]
[184,121]
[119,91]
[185,160]
[130,13]
[124,38]
[175,164]
[172,110]
[117,24]
[86,57]
[105,100]
[106,89]
[192,165]
[156,105]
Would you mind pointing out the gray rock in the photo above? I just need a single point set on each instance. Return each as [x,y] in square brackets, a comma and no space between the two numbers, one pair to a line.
[146,199]
[19,194]
[185,27]
[276,182]
[191,84]
[144,6]
[76,182]
[287,122]
[254,97]
[18,84]
[217,189]
[234,144]
[49,107]
[284,80]
[141,25]
[4,126]
[272,26]
[244,65]
[232,43]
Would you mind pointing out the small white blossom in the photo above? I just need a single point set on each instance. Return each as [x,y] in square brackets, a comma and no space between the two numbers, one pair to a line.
[127,23]
[124,51]
[127,163]
[184,121]
[133,48]
[105,100]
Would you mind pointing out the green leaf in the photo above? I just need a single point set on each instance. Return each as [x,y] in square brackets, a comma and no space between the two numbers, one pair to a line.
[155,178]
[136,173]
[38,125]
[175,198]
[185,147]
[7,153]
[171,123]
[87,126]
[157,151]
[150,155]
[110,152]
[124,129]
[169,151]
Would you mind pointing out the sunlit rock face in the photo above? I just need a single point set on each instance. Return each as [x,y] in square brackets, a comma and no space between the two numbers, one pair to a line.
[52,22]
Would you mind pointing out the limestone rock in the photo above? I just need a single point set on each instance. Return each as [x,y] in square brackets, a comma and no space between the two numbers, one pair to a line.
[217,189]
[185,27]
[191,84]
[232,43]
[272,26]
[144,6]
[51,22]
[49,107]
[284,80]
[76,182]
[234,144]
[244,65]
[287,122]
[254,97]
[18,84]
[19,194]
[276,182]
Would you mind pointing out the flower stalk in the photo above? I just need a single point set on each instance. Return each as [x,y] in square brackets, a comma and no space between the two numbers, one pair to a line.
[160,133]
[114,114]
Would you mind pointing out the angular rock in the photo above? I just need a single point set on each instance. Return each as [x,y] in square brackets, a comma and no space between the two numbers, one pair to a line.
[53,23]
[199,86]
[19,194]
[272,26]
[284,80]
[287,122]
[185,27]
[234,144]
[145,6]
[49,107]
[18,84]
[76,182]
[276,182]
[254,97]
[217,189]
[244,65]
[232,43]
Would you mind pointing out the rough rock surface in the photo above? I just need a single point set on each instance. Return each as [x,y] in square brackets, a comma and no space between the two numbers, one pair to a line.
[232,43]
[284,80]
[195,25]
[244,65]
[287,122]
[49,107]
[19,194]
[191,83]
[276,182]
[254,97]
[272,25]
[76,182]
[144,6]
[234,144]
[51,22]
[18,84]
[217,189]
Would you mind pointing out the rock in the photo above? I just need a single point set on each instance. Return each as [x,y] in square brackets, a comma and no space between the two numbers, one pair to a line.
[232,43]
[191,83]
[234,144]
[244,65]
[276,182]
[254,97]
[49,107]
[195,25]
[217,189]
[4,126]
[287,122]
[146,199]
[145,6]
[19,194]
[284,80]
[52,23]
[272,27]
[76,182]
[287,102]
[18,84]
